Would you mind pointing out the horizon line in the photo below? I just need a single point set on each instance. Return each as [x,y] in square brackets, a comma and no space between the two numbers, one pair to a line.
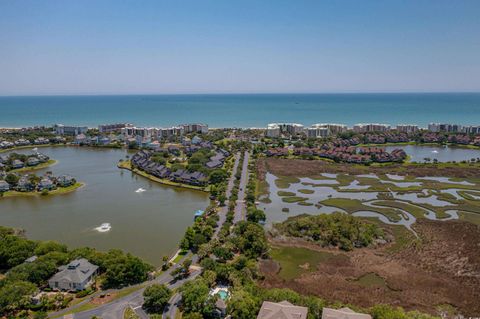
[238,93]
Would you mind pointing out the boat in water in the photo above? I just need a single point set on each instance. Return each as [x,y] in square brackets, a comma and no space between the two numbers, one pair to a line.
[140,190]
[104,227]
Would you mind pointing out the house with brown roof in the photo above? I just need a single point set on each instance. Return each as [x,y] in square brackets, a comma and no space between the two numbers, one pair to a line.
[343,313]
[281,310]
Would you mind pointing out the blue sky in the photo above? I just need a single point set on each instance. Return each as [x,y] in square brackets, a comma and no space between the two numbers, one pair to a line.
[127,47]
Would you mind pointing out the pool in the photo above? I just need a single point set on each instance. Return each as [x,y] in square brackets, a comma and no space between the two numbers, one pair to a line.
[223,294]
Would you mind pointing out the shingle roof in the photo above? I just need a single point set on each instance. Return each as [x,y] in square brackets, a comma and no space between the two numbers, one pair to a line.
[343,313]
[281,310]
[76,271]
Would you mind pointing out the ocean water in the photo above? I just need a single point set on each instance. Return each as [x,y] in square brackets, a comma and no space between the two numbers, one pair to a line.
[241,110]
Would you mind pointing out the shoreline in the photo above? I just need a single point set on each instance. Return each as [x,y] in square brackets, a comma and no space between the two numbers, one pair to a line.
[127,166]
[58,191]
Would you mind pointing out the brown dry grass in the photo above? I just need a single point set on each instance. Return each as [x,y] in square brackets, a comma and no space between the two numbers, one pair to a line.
[443,269]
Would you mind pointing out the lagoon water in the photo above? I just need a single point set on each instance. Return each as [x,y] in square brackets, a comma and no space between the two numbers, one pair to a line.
[242,110]
[148,224]
[418,153]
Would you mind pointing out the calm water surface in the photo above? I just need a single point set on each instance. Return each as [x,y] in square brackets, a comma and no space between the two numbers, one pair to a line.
[148,224]
[417,153]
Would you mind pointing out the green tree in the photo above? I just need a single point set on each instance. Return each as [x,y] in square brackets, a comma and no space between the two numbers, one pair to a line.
[15,295]
[242,305]
[156,298]
[45,247]
[218,176]
[12,179]
[195,296]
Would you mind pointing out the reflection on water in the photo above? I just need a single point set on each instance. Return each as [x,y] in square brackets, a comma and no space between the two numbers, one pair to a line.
[149,225]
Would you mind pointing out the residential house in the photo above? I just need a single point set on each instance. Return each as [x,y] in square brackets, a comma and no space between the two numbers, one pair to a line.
[65,181]
[77,275]
[283,310]
[4,186]
[80,139]
[46,183]
[17,164]
[33,161]
[25,185]
[343,313]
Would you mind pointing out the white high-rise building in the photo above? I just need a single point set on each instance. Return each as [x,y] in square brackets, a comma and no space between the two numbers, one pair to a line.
[407,128]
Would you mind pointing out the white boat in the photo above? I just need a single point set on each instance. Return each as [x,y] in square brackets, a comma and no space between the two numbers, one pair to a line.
[435,151]
[104,227]
[140,190]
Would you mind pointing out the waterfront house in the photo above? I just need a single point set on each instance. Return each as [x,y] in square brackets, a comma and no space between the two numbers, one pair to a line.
[17,164]
[80,139]
[22,142]
[284,310]
[46,183]
[32,161]
[4,186]
[343,313]
[41,141]
[25,185]
[77,275]
[42,157]
[65,181]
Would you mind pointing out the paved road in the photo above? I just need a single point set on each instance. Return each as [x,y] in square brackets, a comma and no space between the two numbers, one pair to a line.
[240,210]
[171,310]
[116,308]
[222,213]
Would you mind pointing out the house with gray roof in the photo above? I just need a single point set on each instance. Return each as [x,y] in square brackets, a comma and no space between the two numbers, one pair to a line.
[77,275]
[343,313]
[4,186]
[17,164]
[283,310]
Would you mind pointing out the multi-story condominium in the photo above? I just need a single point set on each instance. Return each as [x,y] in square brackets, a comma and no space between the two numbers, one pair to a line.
[275,129]
[316,132]
[143,132]
[170,132]
[195,128]
[110,128]
[61,129]
[333,129]
[407,128]
[471,129]
[441,127]
[371,127]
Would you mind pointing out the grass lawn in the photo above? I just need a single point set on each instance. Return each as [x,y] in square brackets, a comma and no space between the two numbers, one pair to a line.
[130,314]
[296,261]
[284,193]
[416,211]
[306,191]
[294,199]
[285,181]
[355,205]
[470,217]
[371,280]
[33,168]
[58,191]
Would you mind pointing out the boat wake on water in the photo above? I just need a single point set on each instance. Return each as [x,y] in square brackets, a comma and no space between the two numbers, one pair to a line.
[105,227]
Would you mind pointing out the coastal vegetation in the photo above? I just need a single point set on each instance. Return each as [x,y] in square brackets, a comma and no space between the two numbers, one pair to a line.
[334,230]
[23,279]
